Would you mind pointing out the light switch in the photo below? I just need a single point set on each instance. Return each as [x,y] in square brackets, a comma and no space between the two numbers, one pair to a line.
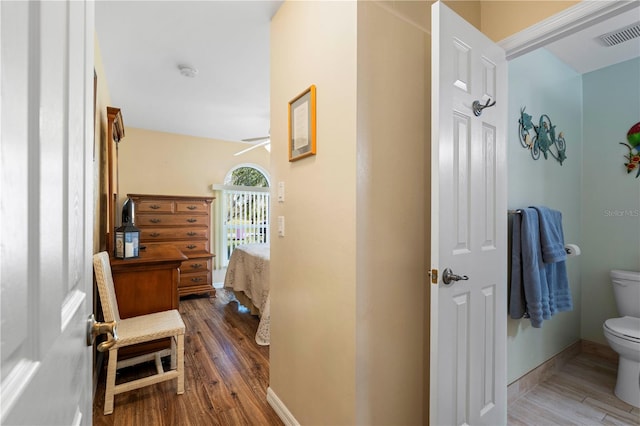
[280,226]
[281,192]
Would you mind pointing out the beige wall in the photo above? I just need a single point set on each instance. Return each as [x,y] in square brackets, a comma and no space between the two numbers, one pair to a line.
[501,19]
[153,162]
[391,196]
[347,341]
[313,268]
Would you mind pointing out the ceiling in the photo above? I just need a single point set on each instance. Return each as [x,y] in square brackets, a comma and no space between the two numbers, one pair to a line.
[143,43]
[584,51]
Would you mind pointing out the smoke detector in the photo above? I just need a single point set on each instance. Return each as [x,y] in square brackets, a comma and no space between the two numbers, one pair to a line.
[188,71]
[620,36]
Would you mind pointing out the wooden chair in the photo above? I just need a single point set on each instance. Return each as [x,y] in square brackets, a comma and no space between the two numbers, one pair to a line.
[130,331]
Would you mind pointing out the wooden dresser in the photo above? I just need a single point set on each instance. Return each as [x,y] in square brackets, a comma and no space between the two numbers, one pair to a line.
[147,284]
[183,222]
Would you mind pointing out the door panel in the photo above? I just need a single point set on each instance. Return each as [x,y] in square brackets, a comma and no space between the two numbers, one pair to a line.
[469,225]
[46,179]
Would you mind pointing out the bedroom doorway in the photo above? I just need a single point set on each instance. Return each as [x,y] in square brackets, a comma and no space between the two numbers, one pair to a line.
[245,208]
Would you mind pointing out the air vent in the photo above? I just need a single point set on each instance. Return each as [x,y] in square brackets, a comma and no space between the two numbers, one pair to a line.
[623,34]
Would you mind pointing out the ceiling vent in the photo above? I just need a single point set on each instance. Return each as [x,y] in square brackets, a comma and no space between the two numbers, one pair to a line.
[623,34]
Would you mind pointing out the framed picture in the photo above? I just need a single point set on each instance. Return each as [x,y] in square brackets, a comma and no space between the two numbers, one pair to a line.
[302,125]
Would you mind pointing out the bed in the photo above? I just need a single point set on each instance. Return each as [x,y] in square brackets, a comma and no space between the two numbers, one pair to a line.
[248,278]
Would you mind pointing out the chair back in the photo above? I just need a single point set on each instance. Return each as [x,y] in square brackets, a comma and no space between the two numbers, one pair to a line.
[102,270]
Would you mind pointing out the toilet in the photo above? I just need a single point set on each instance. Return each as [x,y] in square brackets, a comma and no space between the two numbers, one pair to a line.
[623,334]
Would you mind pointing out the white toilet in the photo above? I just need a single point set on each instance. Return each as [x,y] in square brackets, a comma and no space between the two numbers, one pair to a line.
[623,334]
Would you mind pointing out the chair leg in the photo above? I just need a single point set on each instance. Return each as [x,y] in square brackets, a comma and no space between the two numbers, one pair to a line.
[173,352]
[111,381]
[180,361]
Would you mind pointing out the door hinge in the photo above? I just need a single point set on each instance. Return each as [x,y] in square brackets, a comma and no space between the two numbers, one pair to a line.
[434,276]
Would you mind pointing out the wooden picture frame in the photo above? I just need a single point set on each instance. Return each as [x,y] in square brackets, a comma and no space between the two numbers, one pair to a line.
[302,125]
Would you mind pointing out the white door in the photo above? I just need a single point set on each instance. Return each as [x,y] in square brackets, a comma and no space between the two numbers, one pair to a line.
[469,226]
[46,204]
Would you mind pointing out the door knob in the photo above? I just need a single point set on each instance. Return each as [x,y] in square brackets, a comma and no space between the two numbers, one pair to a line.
[448,277]
[95,328]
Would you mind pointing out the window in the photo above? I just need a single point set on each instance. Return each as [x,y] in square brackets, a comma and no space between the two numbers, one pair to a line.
[245,208]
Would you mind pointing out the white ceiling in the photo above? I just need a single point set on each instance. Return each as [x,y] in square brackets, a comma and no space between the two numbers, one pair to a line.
[584,52]
[143,42]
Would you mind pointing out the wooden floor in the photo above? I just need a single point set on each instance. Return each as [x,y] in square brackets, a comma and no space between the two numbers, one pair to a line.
[226,375]
[581,393]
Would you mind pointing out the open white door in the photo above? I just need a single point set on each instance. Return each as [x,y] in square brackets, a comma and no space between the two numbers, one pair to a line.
[469,226]
[46,211]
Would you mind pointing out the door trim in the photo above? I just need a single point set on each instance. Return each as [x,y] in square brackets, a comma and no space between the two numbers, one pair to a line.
[569,21]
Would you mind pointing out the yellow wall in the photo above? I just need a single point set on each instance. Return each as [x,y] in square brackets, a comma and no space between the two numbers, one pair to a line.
[469,10]
[390,209]
[313,268]
[501,19]
[347,343]
[153,162]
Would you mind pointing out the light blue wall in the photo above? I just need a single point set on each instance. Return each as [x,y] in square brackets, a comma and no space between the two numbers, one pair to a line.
[610,196]
[545,85]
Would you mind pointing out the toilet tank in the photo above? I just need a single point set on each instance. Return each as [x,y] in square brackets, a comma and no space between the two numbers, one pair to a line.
[626,289]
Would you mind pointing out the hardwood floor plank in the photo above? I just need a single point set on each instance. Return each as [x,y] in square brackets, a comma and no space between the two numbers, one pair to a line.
[226,375]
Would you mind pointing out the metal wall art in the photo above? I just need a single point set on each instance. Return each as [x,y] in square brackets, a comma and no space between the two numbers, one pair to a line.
[633,137]
[541,138]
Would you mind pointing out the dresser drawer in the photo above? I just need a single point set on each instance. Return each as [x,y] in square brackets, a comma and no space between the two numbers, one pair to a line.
[201,207]
[195,279]
[154,206]
[171,220]
[190,249]
[195,265]
[169,234]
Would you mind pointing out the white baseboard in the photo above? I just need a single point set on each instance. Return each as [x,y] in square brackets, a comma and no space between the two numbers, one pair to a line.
[281,410]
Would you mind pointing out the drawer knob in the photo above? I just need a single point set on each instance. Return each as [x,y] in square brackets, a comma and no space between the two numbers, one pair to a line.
[192,220]
[154,220]
[196,279]
[191,246]
[196,265]
[154,206]
[154,234]
[192,234]
[192,207]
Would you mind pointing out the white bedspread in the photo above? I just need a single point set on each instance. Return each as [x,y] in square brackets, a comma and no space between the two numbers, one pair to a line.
[248,272]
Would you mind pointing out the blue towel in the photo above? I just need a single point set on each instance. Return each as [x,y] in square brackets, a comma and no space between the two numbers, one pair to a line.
[553,256]
[534,276]
[551,235]
[517,304]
